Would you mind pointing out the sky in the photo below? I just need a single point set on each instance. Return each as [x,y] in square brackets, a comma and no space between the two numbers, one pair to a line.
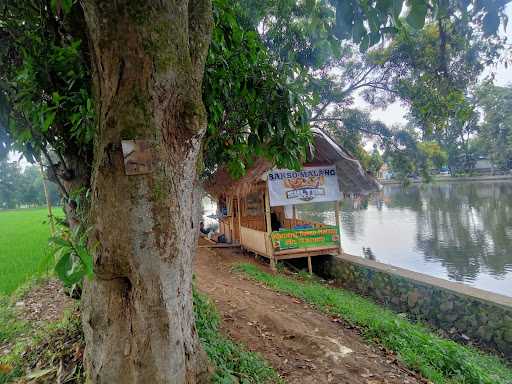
[395,112]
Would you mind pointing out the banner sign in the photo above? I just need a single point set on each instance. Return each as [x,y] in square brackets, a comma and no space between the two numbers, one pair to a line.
[306,238]
[310,185]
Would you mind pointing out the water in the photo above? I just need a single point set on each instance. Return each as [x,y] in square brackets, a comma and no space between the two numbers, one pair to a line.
[460,231]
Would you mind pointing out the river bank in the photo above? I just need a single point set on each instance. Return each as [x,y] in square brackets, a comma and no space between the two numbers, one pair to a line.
[457,231]
[438,178]
[465,314]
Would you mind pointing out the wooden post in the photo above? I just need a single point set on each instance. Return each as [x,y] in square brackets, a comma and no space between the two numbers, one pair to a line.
[268,219]
[310,266]
[239,219]
[338,224]
[230,213]
[48,201]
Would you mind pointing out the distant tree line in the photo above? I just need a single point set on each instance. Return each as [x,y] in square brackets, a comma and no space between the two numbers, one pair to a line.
[487,134]
[417,149]
[23,187]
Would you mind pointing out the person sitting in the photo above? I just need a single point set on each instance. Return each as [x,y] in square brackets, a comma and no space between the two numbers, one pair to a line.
[274,222]
[202,229]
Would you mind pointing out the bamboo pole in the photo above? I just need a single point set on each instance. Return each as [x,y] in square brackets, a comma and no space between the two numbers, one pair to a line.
[270,251]
[239,218]
[229,206]
[48,202]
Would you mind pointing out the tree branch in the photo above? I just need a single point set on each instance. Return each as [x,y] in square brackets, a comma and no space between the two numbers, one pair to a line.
[387,139]
[54,171]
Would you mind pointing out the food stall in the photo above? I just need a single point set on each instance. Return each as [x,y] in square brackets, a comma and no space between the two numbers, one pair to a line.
[261,207]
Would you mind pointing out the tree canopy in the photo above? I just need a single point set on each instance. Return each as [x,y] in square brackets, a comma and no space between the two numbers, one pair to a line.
[273,67]
[496,129]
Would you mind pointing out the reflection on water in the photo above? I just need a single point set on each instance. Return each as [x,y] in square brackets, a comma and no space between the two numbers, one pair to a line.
[461,231]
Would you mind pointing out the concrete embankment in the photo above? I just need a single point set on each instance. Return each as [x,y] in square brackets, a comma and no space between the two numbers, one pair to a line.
[481,316]
[451,179]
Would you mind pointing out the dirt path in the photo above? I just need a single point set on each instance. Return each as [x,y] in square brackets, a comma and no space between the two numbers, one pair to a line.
[302,344]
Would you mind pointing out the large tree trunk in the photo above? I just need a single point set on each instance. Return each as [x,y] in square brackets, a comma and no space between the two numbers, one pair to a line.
[148,59]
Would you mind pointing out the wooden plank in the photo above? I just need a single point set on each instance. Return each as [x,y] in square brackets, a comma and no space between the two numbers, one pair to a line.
[254,240]
[231,219]
[220,245]
[239,218]
[305,250]
[299,255]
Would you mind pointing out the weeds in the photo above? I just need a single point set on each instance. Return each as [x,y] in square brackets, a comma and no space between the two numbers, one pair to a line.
[439,360]
[10,326]
[233,363]
[56,349]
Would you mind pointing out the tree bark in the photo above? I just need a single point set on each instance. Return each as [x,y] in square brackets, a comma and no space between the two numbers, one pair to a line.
[148,60]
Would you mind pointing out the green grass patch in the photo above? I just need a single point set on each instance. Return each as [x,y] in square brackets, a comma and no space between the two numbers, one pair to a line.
[437,359]
[23,243]
[60,341]
[55,349]
[10,326]
[233,363]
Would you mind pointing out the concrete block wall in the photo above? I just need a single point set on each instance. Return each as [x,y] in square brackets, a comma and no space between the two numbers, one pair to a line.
[458,309]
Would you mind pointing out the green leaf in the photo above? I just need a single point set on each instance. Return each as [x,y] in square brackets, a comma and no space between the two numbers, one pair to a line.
[365,43]
[59,241]
[358,31]
[397,9]
[87,263]
[48,121]
[63,266]
[61,5]
[417,13]
[56,98]
[66,6]
[69,270]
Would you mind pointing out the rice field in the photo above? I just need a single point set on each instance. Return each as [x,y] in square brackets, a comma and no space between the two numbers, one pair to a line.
[23,242]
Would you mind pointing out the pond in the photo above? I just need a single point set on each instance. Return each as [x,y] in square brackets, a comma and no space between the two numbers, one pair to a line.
[460,231]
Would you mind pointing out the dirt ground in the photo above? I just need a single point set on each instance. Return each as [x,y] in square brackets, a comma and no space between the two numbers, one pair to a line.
[304,345]
[44,303]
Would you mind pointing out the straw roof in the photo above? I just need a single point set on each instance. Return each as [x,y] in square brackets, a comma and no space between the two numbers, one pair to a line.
[351,175]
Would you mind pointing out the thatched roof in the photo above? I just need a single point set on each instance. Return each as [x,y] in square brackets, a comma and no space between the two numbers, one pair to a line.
[351,175]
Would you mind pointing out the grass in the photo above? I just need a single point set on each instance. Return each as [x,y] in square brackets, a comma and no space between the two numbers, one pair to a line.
[10,325]
[46,347]
[23,243]
[233,363]
[55,349]
[439,360]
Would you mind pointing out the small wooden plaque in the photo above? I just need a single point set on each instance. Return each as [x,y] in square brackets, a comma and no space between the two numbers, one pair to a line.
[138,157]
